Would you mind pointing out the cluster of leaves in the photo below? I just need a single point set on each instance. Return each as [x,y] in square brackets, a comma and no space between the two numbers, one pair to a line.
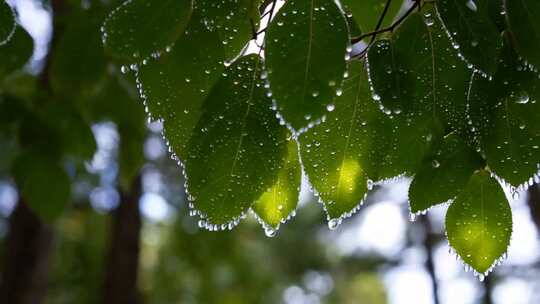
[45,119]
[350,92]
[445,92]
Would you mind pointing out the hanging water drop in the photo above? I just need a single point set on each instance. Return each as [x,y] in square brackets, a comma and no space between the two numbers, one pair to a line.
[333,224]
[523,98]
[472,5]
[270,232]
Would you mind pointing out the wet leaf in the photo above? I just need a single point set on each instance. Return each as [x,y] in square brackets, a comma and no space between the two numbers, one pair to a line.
[522,19]
[479,222]
[473,31]
[504,118]
[176,84]
[301,85]
[16,53]
[417,72]
[232,20]
[443,174]
[238,146]
[358,142]
[7,22]
[281,199]
[366,12]
[44,185]
[138,28]
[332,152]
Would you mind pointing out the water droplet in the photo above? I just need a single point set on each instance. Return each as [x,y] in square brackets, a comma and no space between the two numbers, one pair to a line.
[333,224]
[523,98]
[471,5]
[270,232]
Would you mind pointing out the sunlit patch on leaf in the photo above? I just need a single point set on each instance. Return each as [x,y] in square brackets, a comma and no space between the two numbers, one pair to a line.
[332,152]
[479,223]
[279,202]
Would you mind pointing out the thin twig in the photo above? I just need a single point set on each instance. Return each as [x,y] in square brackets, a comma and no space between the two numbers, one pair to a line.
[381,19]
[390,28]
[270,12]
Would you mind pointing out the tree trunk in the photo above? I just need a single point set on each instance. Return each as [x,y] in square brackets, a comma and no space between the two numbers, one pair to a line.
[488,290]
[26,258]
[429,242]
[123,256]
[533,200]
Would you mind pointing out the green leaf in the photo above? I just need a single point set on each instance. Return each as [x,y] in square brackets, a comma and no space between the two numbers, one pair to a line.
[176,84]
[279,202]
[138,28]
[332,152]
[366,13]
[415,72]
[16,53]
[443,174]
[78,61]
[521,16]
[357,142]
[473,31]
[504,118]
[232,20]
[479,222]
[44,185]
[7,22]
[71,129]
[237,148]
[300,83]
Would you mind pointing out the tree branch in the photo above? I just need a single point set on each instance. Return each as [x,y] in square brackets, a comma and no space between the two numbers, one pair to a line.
[122,265]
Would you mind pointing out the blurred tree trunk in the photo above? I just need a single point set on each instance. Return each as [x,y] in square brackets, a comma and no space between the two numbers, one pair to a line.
[25,269]
[122,262]
[429,244]
[533,200]
[488,289]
